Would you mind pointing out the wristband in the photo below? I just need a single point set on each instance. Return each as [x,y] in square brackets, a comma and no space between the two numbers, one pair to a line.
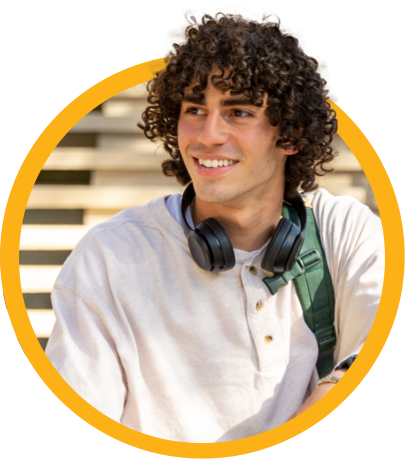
[328,379]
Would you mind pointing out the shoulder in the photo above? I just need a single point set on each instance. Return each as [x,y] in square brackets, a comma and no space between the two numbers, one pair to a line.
[137,230]
[134,219]
[342,214]
[351,235]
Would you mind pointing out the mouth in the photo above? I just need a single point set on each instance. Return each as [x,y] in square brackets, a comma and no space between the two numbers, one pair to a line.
[213,167]
[214,163]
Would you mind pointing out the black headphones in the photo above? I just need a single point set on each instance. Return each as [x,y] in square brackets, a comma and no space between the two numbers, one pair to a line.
[212,250]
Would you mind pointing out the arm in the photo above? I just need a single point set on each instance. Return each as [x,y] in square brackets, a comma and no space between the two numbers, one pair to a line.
[354,247]
[82,349]
[320,391]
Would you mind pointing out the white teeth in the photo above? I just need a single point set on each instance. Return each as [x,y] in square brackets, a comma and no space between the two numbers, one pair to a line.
[215,162]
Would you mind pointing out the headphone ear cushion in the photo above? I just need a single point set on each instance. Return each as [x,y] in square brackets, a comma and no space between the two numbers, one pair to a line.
[277,254]
[283,258]
[275,244]
[294,251]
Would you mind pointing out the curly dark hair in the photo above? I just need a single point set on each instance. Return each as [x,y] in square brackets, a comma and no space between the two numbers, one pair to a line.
[254,59]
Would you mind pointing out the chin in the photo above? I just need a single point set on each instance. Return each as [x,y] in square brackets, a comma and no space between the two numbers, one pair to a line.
[215,193]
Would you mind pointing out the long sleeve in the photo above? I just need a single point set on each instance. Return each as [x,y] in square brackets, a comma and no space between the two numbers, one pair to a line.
[83,352]
[354,247]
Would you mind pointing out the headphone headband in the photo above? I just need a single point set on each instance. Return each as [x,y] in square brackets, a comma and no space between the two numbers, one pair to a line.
[188,196]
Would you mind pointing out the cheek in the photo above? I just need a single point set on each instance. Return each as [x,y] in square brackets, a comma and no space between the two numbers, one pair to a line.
[180,130]
[184,133]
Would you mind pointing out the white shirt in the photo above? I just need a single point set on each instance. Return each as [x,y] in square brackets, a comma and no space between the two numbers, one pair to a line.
[151,340]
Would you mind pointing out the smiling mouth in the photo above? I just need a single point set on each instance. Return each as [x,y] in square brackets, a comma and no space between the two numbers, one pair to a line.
[214,163]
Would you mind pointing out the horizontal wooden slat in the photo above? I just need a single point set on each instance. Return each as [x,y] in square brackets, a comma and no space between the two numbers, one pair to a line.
[140,145]
[98,123]
[337,180]
[346,162]
[144,178]
[38,279]
[133,107]
[356,192]
[42,321]
[138,91]
[51,237]
[90,160]
[124,142]
[94,197]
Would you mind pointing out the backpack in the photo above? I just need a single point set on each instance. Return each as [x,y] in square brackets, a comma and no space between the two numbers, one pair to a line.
[313,284]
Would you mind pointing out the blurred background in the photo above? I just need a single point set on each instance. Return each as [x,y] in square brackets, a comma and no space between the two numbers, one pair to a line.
[102,166]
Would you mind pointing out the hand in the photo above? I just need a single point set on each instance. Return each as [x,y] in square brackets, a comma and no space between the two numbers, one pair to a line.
[322,390]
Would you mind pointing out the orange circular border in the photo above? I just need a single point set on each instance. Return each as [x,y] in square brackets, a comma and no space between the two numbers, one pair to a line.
[9,258]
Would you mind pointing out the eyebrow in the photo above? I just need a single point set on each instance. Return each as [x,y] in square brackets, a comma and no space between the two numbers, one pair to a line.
[231,102]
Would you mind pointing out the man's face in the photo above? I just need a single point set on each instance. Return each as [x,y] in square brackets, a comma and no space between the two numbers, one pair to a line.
[229,148]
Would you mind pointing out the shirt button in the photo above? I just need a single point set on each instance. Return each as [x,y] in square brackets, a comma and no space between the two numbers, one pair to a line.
[259,305]
[253,270]
[268,339]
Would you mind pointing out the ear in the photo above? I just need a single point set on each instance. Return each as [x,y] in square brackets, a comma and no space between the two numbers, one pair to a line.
[293,150]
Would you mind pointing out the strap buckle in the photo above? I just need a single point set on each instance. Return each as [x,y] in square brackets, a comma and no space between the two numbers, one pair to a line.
[309,259]
[278,280]
[326,338]
[304,263]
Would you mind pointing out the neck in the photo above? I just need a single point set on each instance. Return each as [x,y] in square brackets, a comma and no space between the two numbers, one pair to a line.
[248,226]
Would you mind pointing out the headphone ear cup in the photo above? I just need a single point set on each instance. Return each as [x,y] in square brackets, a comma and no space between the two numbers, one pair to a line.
[200,251]
[277,257]
[217,246]
[283,259]
[276,244]
[224,243]
[294,252]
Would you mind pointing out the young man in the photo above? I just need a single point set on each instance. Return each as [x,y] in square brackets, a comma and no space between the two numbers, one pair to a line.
[203,355]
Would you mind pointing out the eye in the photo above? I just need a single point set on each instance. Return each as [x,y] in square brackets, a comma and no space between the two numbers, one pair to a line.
[241,113]
[195,111]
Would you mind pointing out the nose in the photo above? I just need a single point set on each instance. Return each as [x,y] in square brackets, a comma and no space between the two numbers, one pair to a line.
[213,131]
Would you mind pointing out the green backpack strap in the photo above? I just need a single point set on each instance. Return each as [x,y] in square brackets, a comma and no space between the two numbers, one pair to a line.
[313,284]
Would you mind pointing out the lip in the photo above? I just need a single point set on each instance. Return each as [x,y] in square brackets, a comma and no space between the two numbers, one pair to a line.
[212,171]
